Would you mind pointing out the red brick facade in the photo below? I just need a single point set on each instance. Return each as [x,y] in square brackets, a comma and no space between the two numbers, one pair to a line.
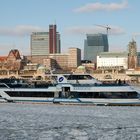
[52,39]
[12,62]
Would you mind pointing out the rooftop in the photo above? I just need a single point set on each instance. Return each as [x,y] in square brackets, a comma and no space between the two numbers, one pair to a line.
[113,54]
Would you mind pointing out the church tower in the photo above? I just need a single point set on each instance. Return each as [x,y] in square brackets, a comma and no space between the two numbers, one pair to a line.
[132,55]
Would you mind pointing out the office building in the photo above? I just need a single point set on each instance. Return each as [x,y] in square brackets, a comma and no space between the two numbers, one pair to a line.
[112,60]
[54,40]
[94,44]
[40,43]
[44,43]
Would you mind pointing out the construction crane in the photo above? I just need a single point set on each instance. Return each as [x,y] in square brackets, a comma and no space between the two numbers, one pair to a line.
[134,35]
[107,28]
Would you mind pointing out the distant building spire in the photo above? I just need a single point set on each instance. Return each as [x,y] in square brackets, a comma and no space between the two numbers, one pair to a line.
[132,54]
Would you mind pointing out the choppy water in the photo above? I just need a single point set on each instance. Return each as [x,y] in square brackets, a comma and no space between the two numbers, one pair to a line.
[66,122]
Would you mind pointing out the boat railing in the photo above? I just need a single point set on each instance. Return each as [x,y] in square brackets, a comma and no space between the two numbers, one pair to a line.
[103,84]
[4,85]
[115,84]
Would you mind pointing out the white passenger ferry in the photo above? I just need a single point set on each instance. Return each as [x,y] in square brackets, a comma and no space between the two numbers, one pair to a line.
[71,89]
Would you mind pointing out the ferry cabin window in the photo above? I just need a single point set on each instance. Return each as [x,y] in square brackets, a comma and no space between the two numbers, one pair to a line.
[80,77]
[29,94]
[109,95]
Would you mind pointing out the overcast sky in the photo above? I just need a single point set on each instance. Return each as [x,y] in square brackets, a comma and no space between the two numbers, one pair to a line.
[74,19]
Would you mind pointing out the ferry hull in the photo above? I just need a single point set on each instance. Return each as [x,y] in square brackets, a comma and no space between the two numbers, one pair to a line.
[76,101]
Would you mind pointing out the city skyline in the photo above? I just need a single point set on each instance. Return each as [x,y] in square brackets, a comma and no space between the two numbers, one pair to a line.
[74,19]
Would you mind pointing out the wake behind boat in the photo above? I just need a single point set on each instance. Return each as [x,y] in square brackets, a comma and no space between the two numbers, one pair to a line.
[71,89]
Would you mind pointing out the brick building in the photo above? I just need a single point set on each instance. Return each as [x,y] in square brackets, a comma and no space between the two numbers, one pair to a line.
[12,62]
[65,61]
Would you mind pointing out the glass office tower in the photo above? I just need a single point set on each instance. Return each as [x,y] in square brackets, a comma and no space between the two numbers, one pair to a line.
[40,43]
[94,44]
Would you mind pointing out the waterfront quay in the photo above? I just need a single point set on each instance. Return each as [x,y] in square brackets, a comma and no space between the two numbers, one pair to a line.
[105,76]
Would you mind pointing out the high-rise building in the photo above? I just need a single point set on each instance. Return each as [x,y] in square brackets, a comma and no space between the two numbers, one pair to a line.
[44,43]
[94,44]
[54,39]
[40,43]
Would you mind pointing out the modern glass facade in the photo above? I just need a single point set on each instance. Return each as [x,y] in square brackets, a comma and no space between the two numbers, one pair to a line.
[94,44]
[40,43]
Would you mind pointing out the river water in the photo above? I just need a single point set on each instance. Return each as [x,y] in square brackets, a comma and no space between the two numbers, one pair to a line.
[68,122]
